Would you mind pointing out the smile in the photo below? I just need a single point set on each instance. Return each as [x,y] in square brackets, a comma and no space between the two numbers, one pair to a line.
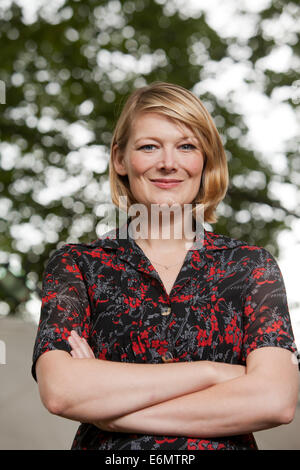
[166,184]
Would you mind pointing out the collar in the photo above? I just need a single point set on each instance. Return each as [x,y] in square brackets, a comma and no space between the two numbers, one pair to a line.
[119,239]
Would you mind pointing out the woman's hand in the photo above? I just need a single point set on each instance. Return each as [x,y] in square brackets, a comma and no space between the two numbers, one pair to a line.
[80,347]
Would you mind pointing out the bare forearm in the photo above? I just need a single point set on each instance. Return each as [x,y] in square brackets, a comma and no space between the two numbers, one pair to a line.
[229,408]
[97,389]
[87,389]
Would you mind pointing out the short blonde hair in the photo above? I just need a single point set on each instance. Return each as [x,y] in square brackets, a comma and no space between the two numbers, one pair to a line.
[180,105]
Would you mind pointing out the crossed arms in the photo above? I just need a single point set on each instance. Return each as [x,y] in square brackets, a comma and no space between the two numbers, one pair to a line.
[192,399]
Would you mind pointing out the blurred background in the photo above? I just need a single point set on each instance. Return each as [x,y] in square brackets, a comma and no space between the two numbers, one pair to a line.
[66,68]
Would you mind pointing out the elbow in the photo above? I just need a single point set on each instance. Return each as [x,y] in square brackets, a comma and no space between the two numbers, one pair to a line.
[289,404]
[54,406]
[53,402]
[53,372]
[287,414]
[284,412]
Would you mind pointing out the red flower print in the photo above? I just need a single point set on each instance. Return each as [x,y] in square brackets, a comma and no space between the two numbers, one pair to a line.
[166,439]
[48,297]
[258,272]
[248,310]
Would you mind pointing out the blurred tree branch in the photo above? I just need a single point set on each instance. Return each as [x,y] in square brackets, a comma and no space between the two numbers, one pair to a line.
[67,75]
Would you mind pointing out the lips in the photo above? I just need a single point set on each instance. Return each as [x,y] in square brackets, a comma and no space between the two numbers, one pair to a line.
[166,183]
[165,180]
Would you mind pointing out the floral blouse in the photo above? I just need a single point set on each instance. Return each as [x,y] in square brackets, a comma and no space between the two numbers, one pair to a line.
[228,299]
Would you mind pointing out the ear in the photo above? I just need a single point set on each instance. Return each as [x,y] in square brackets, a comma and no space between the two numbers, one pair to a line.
[118,161]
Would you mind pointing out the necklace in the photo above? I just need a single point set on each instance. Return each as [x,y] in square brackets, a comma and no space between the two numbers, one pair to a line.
[164,266]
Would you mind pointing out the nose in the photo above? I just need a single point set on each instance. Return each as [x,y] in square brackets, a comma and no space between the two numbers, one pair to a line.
[167,159]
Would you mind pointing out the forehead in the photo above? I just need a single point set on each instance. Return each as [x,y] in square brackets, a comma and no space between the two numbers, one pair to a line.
[146,122]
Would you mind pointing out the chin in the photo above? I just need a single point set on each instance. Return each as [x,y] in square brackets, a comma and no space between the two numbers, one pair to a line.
[167,202]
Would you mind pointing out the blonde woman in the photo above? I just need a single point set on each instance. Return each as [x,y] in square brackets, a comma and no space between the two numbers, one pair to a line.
[161,343]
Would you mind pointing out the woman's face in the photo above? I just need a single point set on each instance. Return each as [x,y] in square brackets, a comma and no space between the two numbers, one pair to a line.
[158,148]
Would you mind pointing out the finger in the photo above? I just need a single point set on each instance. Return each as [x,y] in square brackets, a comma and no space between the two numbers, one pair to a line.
[72,342]
[87,348]
[75,336]
[75,340]
[75,352]
[82,345]
[88,353]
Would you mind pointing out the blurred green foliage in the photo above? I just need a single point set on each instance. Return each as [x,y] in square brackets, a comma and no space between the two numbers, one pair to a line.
[70,71]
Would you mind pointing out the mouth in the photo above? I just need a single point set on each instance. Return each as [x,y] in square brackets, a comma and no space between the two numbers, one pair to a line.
[166,182]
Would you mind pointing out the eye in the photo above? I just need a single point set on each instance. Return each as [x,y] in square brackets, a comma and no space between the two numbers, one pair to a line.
[188,146]
[147,147]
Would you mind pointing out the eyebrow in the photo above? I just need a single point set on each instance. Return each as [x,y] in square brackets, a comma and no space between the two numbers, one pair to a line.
[184,137]
[145,137]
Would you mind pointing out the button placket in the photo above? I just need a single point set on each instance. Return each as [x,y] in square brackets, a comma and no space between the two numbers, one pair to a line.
[166,311]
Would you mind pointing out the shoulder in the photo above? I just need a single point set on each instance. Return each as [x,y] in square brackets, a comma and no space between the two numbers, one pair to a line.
[73,253]
[238,249]
[67,252]
[218,241]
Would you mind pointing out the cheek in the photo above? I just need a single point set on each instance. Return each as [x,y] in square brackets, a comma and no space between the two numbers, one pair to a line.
[137,166]
[195,167]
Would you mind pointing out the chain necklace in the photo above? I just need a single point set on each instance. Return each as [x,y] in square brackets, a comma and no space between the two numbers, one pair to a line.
[164,266]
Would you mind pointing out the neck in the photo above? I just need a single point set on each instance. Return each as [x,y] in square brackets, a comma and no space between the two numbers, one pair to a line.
[161,235]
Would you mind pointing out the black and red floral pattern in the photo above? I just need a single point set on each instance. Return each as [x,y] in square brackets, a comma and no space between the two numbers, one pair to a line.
[228,299]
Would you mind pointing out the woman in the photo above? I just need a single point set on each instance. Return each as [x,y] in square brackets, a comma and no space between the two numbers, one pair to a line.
[159,343]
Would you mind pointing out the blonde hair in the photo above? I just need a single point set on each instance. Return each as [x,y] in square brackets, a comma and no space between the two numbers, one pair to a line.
[184,107]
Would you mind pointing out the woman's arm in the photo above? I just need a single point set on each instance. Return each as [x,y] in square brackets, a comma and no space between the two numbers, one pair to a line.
[86,389]
[263,398]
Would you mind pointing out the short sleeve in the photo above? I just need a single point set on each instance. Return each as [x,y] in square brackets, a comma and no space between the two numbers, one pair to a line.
[266,319]
[65,305]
